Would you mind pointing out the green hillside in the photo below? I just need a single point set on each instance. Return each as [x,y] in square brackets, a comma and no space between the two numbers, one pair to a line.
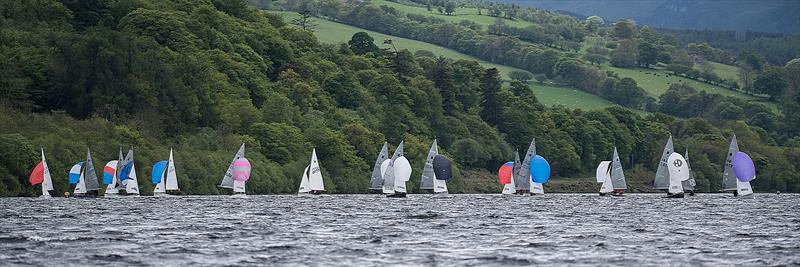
[334,32]
[462,13]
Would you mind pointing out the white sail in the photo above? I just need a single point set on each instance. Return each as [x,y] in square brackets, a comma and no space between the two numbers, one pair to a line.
[132,185]
[315,174]
[376,180]
[238,186]
[603,175]
[402,172]
[537,188]
[80,188]
[691,183]
[678,172]
[227,179]
[427,179]
[729,181]
[47,184]
[509,188]
[439,186]
[161,187]
[662,180]
[90,180]
[743,188]
[172,177]
[304,185]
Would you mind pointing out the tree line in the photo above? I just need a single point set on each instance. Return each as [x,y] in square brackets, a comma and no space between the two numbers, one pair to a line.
[203,77]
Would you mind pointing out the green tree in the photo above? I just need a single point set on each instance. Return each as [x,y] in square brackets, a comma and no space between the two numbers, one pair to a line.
[304,21]
[624,29]
[491,104]
[770,82]
[624,55]
[449,8]
[648,54]
[361,43]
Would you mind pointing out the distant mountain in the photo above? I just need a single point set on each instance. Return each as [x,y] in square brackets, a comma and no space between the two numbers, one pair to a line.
[741,15]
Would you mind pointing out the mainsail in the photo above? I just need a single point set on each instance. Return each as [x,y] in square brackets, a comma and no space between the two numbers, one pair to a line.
[427,172]
[516,174]
[315,174]
[227,179]
[522,175]
[388,175]
[132,183]
[728,177]
[662,174]
[304,185]
[691,183]
[617,176]
[92,183]
[172,178]
[376,181]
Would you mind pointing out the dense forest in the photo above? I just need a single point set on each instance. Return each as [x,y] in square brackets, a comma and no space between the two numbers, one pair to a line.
[203,77]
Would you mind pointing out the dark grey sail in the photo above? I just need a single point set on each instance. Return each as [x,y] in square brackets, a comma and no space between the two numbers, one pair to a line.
[388,177]
[661,181]
[689,184]
[227,179]
[522,176]
[90,175]
[427,172]
[728,177]
[617,176]
[376,181]
[515,169]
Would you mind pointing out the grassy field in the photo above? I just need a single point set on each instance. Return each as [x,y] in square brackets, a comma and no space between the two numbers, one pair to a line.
[460,14]
[568,97]
[333,32]
[724,71]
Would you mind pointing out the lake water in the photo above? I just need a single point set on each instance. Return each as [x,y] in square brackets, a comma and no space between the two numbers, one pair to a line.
[370,230]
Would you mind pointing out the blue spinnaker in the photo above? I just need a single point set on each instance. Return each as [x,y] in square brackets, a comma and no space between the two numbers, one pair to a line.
[158,171]
[126,172]
[540,170]
[75,173]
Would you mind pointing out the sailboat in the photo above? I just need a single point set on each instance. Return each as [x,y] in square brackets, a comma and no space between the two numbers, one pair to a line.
[41,175]
[678,172]
[745,172]
[227,179]
[522,174]
[540,174]
[661,181]
[393,186]
[110,177]
[429,180]
[127,182]
[689,185]
[311,183]
[729,178]
[164,177]
[504,177]
[376,180]
[88,185]
[617,176]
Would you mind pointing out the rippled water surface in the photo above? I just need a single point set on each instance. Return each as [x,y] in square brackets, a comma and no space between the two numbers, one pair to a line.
[555,229]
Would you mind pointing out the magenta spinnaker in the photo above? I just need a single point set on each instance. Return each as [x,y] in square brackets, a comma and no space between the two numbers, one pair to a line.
[241,170]
[743,167]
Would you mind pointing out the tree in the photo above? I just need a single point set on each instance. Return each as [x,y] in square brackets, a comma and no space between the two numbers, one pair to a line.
[304,21]
[746,75]
[491,104]
[449,8]
[624,29]
[593,23]
[792,76]
[770,82]
[540,77]
[361,43]
[754,61]
[518,75]
[648,54]
[624,56]
[596,59]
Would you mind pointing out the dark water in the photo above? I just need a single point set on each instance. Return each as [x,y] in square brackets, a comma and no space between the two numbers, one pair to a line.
[556,229]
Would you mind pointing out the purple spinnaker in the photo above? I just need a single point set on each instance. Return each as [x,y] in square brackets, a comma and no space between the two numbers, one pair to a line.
[743,167]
